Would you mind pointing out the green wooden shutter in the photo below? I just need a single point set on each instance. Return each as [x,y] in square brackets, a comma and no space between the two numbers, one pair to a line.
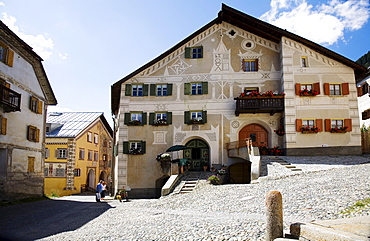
[186,117]
[151,118]
[204,116]
[127,118]
[205,88]
[144,118]
[128,90]
[126,147]
[201,47]
[153,88]
[187,53]
[186,88]
[143,147]
[145,90]
[115,150]
[169,89]
[169,118]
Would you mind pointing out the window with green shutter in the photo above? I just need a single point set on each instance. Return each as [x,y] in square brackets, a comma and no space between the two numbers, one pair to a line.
[195,117]
[137,90]
[196,88]
[161,89]
[134,147]
[194,52]
[160,118]
[135,119]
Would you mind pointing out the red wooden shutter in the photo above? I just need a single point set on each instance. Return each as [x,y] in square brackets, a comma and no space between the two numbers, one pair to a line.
[348,123]
[345,89]
[327,124]
[316,87]
[326,89]
[10,58]
[3,125]
[297,89]
[319,124]
[39,107]
[298,125]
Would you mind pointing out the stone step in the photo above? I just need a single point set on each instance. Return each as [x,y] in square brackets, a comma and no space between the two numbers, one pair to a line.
[290,166]
[296,169]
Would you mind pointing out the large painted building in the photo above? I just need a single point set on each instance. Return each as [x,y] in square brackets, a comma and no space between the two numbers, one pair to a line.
[78,152]
[235,78]
[25,93]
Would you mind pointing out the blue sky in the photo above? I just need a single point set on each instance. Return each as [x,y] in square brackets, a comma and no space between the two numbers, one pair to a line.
[87,45]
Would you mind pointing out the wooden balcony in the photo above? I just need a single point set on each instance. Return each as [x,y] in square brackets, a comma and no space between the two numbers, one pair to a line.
[9,99]
[260,104]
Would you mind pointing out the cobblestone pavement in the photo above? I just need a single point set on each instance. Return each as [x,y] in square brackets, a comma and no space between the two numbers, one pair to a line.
[325,189]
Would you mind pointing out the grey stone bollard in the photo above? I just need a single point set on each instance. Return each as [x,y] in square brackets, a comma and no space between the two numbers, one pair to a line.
[274,215]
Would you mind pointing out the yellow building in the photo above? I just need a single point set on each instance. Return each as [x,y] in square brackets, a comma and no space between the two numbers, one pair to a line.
[78,152]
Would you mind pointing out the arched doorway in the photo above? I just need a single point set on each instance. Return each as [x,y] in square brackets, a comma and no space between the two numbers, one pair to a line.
[240,173]
[91,179]
[197,155]
[257,133]
[103,176]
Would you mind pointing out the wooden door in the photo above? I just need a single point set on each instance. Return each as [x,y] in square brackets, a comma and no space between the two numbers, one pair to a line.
[257,133]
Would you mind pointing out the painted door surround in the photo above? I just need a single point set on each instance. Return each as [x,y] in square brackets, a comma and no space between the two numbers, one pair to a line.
[197,154]
[256,132]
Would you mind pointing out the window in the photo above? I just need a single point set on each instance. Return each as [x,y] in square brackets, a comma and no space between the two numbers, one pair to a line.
[33,134]
[250,65]
[310,89]
[6,55]
[31,164]
[81,154]
[96,138]
[200,88]
[96,156]
[55,169]
[3,123]
[89,137]
[135,118]
[336,89]
[160,118]
[61,153]
[77,172]
[161,90]
[134,147]
[304,62]
[194,52]
[335,124]
[90,155]
[136,90]
[195,117]
[309,125]
[35,105]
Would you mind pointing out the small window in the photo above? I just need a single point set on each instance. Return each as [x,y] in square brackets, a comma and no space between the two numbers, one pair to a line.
[308,123]
[36,105]
[31,164]
[96,138]
[96,156]
[136,118]
[304,62]
[89,137]
[162,90]
[137,90]
[335,89]
[337,123]
[160,118]
[47,153]
[195,117]
[194,52]
[62,153]
[250,65]
[90,154]
[77,172]
[134,147]
[197,88]
[6,55]
[33,134]
[55,170]
[81,154]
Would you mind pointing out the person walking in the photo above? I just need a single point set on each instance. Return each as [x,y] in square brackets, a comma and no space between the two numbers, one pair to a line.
[98,191]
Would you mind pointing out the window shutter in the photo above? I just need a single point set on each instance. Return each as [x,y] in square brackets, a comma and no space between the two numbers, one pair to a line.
[345,89]
[28,133]
[187,53]
[37,135]
[169,89]
[3,125]
[327,124]
[316,87]
[39,107]
[56,153]
[298,125]
[127,118]
[297,89]
[145,90]
[359,91]
[243,66]
[47,152]
[115,150]
[186,117]
[10,57]
[205,88]
[128,90]
[319,124]
[153,89]
[144,118]
[256,64]
[169,118]
[204,116]
[187,89]
[143,147]
[126,145]
[348,123]
[7,85]
[326,89]
[151,118]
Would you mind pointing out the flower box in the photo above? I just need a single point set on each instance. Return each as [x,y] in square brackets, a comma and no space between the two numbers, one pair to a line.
[255,94]
[308,132]
[134,122]
[338,131]
[307,92]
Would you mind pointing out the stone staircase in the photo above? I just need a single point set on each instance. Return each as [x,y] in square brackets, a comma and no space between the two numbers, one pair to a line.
[189,181]
[284,163]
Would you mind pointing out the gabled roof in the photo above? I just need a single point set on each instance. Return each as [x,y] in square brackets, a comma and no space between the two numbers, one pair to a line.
[24,50]
[250,24]
[71,124]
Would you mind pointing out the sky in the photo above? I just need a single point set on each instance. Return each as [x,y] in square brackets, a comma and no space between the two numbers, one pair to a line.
[88,45]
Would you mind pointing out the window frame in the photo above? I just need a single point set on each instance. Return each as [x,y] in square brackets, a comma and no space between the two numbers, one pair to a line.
[61,153]
[33,134]
[36,105]
[188,117]
[304,61]
[344,89]
[89,136]
[81,154]
[51,169]
[250,68]
[190,54]
[96,138]
[132,118]
[188,89]
[127,147]
[7,55]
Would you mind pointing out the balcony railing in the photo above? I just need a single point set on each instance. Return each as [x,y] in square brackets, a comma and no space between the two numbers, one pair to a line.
[9,99]
[260,104]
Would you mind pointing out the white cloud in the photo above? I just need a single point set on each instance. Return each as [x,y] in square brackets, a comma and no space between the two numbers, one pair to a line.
[324,24]
[2,4]
[63,56]
[41,45]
